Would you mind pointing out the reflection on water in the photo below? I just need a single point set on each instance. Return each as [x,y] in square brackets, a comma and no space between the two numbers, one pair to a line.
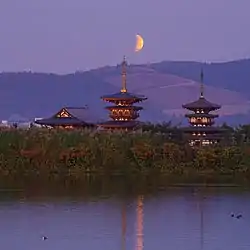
[139,223]
[188,218]
[200,204]
[124,227]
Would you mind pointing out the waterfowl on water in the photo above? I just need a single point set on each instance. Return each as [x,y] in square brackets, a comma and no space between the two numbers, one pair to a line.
[237,217]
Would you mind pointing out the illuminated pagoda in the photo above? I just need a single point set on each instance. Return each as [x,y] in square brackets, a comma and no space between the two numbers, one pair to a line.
[123,113]
[68,117]
[201,130]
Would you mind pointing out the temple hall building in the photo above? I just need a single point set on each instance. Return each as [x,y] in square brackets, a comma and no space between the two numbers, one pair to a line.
[123,113]
[69,118]
[201,130]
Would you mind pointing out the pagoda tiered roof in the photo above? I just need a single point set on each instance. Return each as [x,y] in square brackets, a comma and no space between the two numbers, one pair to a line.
[123,112]
[201,103]
[120,96]
[137,108]
[213,136]
[201,115]
[204,129]
[124,95]
[120,124]
[201,122]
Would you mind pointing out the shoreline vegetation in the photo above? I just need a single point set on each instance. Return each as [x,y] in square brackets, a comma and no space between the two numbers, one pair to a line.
[158,153]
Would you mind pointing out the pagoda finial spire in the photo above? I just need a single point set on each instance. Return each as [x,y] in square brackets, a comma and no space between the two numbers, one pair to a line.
[202,84]
[124,76]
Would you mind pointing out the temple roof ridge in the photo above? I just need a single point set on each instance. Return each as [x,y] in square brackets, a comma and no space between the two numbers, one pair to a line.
[201,103]
[124,96]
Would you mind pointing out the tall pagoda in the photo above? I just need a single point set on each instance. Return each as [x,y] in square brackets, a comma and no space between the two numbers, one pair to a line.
[201,130]
[123,113]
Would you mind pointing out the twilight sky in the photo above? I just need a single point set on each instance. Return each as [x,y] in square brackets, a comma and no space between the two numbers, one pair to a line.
[67,35]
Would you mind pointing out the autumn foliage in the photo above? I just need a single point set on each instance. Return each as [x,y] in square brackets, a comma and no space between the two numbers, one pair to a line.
[43,153]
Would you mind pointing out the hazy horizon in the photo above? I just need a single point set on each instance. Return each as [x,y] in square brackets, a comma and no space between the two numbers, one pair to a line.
[113,65]
[66,36]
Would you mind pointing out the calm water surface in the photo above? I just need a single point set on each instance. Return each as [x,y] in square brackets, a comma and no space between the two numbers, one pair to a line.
[177,218]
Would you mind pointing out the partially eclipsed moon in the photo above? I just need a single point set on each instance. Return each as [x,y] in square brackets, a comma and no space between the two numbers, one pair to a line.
[139,43]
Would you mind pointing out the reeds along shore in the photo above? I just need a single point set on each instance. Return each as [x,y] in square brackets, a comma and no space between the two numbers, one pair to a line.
[48,154]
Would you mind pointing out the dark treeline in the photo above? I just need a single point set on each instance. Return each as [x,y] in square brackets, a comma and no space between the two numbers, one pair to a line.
[42,155]
[231,136]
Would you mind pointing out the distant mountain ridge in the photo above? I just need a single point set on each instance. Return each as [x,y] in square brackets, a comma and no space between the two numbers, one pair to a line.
[232,75]
[166,84]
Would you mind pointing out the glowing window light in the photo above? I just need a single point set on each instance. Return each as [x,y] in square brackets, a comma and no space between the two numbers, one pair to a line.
[63,114]
[192,119]
[204,119]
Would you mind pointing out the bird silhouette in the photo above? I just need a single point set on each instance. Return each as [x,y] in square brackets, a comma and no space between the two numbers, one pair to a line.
[45,238]
[237,216]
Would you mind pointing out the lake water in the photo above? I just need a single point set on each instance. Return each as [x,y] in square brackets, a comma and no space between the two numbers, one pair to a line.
[187,218]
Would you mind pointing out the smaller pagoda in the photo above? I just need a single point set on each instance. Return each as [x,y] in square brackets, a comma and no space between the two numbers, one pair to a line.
[201,130]
[123,113]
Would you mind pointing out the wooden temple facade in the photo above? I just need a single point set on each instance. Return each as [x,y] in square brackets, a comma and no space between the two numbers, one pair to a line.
[201,130]
[123,113]
[68,117]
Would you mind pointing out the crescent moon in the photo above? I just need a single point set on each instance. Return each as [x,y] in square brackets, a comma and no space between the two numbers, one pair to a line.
[139,43]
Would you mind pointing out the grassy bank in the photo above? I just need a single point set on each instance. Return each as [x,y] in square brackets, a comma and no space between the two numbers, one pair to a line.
[41,154]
